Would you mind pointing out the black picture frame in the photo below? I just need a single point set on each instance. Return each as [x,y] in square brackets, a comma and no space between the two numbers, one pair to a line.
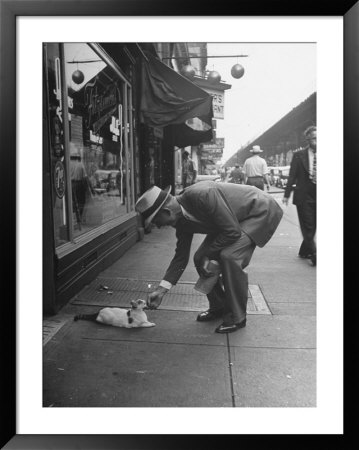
[10,10]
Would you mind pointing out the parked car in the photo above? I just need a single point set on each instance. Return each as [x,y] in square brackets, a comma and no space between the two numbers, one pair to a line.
[279,176]
[106,180]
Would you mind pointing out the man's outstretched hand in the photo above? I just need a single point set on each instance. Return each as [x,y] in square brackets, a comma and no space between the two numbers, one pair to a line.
[154,299]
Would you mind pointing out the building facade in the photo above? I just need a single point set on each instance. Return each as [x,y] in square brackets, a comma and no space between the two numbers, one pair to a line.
[89,168]
[114,115]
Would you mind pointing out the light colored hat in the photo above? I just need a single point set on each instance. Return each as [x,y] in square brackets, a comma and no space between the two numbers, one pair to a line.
[256,149]
[151,202]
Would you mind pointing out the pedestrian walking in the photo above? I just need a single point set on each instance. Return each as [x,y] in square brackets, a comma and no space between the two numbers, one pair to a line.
[189,170]
[235,219]
[303,174]
[80,185]
[237,176]
[255,169]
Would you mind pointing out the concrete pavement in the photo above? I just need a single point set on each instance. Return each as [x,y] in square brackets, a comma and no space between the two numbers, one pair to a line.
[181,362]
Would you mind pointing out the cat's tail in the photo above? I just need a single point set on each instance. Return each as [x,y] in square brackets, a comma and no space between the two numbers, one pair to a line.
[85,317]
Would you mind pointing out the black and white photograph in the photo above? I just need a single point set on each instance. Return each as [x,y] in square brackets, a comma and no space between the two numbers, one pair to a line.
[168,274]
[181,198]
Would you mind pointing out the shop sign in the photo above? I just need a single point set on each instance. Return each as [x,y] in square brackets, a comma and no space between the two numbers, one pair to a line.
[211,155]
[96,138]
[217,102]
[59,179]
[158,132]
[56,111]
[211,158]
[96,126]
[57,90]
[211,147]
[218,143]
[96,103]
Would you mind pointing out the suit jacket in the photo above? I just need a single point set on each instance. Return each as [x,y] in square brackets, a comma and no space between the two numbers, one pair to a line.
[224,210]
[299,176]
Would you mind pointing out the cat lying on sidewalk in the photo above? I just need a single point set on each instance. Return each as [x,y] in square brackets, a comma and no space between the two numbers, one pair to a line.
[118,317]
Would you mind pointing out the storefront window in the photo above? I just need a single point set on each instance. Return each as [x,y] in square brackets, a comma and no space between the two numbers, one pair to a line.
[98,144]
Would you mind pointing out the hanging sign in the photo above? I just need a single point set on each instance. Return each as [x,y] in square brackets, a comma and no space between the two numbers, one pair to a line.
[217,102]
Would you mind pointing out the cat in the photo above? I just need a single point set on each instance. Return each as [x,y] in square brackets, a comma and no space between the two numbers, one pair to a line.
[118,317]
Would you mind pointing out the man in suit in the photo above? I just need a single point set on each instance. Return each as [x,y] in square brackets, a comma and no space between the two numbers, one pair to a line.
[235,219]
[189,171]
[303,174]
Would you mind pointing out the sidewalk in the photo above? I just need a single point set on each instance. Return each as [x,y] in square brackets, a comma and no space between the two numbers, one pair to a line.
[181,362]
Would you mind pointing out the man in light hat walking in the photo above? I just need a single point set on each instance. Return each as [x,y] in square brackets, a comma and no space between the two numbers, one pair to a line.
[256,170]
[235,219]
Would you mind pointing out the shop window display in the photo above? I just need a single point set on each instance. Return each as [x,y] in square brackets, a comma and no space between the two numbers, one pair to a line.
[97,154]
[90,146]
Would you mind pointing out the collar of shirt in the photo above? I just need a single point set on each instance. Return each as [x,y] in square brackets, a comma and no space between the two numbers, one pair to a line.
[310,157]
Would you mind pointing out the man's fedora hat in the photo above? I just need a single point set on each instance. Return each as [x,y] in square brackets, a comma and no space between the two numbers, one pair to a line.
[256,149]
[151,202]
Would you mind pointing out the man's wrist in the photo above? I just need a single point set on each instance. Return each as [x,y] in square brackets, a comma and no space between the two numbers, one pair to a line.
[165,284]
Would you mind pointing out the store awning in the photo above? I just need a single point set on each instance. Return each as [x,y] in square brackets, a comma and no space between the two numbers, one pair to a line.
[170,100]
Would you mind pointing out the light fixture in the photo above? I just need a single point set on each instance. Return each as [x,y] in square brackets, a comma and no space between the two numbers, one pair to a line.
[237,71]
[213,77]
[188,71]
[78,77]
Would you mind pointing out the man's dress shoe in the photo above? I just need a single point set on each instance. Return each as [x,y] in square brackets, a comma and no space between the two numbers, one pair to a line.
[230,328]
[208,315]
[313,258]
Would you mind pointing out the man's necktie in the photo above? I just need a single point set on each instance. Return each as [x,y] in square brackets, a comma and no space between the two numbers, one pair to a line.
[314,173]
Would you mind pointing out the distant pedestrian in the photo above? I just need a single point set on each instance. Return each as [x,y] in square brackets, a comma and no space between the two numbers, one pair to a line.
[235,219]
[303,174]
[189,170]
[255,169]
[236,176]
[80,185]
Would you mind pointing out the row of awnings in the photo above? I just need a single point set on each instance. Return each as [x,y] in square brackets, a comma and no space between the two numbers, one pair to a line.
[170,100]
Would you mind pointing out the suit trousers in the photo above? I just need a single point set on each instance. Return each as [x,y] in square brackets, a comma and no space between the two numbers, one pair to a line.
[307,216]
[230,294]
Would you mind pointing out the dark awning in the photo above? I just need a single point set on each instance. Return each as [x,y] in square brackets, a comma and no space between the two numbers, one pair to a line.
[169,100]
